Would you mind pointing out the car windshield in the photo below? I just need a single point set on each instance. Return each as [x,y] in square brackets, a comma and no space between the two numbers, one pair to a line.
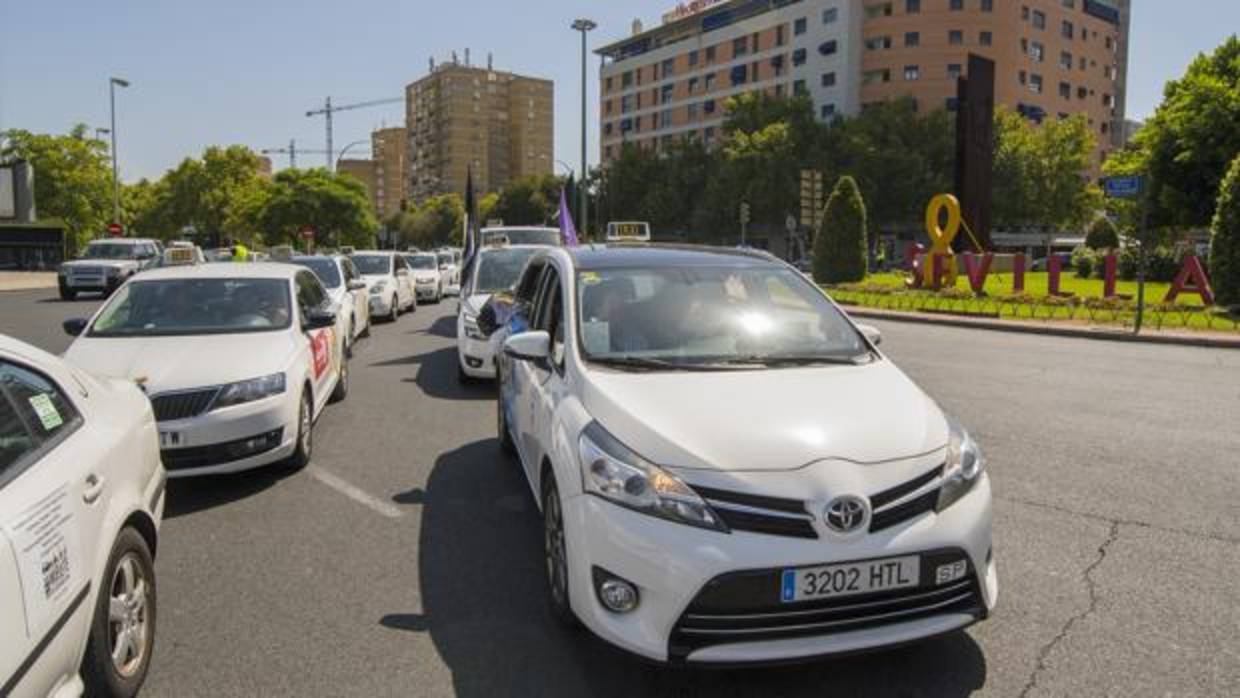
[445,258]
[110,250]
[422,261]
[498,270]
[323,267]
[526,236]
[194,306]
[711,315]
[373,263]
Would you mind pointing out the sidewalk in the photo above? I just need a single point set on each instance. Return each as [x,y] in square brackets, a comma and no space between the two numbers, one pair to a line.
[26,280]
[1219,340]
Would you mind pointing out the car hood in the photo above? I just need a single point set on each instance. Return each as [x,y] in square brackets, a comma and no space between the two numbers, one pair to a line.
[107,263]
[767,420]
[161,364]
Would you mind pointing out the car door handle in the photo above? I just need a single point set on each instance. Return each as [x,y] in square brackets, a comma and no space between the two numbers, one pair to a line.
[94,488]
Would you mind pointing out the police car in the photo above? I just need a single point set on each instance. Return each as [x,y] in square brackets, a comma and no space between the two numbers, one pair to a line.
[495,269]
[81,500]
[239,360]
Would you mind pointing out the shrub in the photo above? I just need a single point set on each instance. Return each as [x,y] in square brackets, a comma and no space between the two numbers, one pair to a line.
[840,248]
[1225,240]
[1102,235]
[1083,261]
[1162,263]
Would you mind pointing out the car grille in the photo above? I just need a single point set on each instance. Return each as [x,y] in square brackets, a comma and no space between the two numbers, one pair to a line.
[774,516]
[905,501]
[182,405]
[745,607]
[221,453]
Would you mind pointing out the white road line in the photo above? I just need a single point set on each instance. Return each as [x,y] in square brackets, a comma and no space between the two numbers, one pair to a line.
[357,495]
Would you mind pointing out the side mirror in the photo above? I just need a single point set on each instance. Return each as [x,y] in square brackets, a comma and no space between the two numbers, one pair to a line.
[871,333]
[529,346]
[74,326]
[319,318]
[357,285]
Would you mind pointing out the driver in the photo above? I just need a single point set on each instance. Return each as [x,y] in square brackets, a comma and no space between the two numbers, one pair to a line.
[269,302]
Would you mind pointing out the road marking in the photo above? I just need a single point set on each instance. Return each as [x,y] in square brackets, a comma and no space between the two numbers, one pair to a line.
[357,495]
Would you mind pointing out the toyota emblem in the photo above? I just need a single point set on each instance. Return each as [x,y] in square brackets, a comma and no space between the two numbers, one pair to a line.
[846,514]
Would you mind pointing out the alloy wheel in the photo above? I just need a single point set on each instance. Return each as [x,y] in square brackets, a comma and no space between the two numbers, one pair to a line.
[556,556]
[128,616]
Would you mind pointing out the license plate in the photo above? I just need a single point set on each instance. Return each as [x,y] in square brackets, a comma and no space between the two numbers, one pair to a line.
[849,579]
[170,439]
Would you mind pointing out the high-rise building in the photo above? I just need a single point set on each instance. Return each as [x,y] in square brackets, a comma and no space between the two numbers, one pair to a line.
[462,116]
[389,150]
[364,170]
[264,167]
[1053,58]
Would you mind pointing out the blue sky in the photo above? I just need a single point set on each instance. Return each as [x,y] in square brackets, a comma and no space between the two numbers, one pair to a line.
[227,71]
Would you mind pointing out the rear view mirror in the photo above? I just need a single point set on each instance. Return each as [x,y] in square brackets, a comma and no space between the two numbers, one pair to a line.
[528,346]
[74,326]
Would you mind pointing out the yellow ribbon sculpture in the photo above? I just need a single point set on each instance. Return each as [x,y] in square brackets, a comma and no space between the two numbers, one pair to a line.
[941,240]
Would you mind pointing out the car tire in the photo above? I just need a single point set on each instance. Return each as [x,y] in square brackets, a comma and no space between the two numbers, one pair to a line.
[128,583]
[502,433]
[392,316]
[555,555]
[341,391]
[366,329]
[305,434]
[67,294]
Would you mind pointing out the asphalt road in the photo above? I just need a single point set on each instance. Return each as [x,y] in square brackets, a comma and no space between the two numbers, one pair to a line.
[406,559]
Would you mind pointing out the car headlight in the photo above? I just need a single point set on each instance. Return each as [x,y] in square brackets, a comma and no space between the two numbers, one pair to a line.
[249,390]
[612,471]
[470,322]
[963,467]
[378,288]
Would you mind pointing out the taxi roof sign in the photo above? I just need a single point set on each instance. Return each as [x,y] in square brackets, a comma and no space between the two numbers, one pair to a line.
[619,231]
[180,256]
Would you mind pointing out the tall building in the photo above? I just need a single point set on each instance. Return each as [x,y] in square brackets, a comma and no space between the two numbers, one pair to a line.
[264,167]
[364,170]
[389,150]
[460,116]
[1052,58]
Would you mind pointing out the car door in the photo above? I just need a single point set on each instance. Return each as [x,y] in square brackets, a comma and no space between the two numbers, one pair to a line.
[547,384]
[321,344]
[52,500]
[404,281]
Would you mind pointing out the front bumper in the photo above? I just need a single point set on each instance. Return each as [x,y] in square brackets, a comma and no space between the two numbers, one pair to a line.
[675,568]
[381,305]
[232,439]
[430,289]
[477,357]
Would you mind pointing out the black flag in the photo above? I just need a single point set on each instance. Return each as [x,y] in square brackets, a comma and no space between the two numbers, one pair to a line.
[471,222]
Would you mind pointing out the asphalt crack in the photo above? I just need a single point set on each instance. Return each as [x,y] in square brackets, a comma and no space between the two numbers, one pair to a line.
[1206,535]
[1092,587]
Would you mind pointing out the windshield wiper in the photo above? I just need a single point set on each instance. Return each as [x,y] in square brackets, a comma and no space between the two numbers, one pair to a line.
[649,364]
[791,360]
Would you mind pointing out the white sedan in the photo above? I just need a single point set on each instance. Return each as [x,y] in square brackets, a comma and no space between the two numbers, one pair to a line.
[387,282]
[239,360]
[428,280]
[81,500]
[494,270]
[729,471]
[346,288]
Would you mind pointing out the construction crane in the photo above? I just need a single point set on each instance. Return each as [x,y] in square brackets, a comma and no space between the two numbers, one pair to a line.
[328,110]
[292,150]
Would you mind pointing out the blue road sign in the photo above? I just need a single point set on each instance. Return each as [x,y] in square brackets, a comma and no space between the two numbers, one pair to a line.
[1122,187]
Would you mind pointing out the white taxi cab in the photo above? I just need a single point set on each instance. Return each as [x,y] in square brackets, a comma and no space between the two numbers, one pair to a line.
[345,287]
[495,269]
[387,281]
[729,470]
[428,279]
[239,360]
[81,500]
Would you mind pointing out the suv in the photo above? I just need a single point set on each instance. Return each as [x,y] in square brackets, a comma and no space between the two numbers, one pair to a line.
[106,264]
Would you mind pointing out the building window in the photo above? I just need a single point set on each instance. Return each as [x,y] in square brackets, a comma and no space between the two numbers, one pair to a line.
[665,94]
[1106,101]
[607,107]
[952,104]
[912,38]
[607,85]
[877,43]
[988,5]
[1065,90]
[710,81]
[1070,4]
[912,7]
[828,48]
[693,85]
[669,67]
[693,57]
[607,153]
[827,111]
[830,15]
[693,111]
[1035,83]
[1066,29]
[740,46]
[953,70]
[1039,19]
[1037,51]
[828,79]
[1110,44]
[798,88]
[709,133]
[710,54]
[779,35]
[607,129]
[665,118]
[871,77]
[1065,60]
[626,80]
[708,106]
[739,74]
[956,5]
[626,104]
[798,57]
[912,72]
[955,37]
[800,26]
[1081,93]
[878,10]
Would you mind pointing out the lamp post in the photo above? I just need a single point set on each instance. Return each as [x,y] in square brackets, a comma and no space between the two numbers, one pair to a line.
[584,26]
[346,149]
[101,132]
[116,181]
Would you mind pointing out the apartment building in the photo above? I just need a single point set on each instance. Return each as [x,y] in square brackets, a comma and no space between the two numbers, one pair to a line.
[670,82]
[364,170]
[1053,58]
[461,117]
[389,151]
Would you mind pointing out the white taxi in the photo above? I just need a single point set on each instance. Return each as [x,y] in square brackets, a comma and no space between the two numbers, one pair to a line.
[729,470]
[345,287]
[387,282]
[428,279]
[81,500]
[239,360]
[495,269]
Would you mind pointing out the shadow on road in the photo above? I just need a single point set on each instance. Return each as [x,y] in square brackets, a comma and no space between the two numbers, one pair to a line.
[190,495]
[436,375]
[483,605]
[443,326]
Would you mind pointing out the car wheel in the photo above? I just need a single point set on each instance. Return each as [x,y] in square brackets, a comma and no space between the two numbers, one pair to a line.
[555,554]
[501,421]
[366,328]
[67,294]
[305,434]
[348,338]
[395,309]
[122,630]
[341,391]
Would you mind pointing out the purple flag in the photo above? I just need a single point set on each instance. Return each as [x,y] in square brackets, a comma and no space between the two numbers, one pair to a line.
[567,230]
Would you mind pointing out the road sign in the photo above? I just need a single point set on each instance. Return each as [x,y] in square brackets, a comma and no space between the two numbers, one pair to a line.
[308,233]
[115,229]
[1122,187]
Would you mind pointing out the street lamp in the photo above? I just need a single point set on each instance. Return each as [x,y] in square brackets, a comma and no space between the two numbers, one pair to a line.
[100,132]
[116,181]
[583,26]
[346,149]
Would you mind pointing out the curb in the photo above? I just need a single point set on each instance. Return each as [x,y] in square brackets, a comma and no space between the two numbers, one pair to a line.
[1208,341]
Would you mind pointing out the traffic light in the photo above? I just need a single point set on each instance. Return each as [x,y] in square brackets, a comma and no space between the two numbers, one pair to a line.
[744,212]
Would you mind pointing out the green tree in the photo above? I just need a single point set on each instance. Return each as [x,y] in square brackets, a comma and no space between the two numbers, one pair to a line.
[1102,234]
[1225,240]
[220,196]
[1185,148]
[840,246]
[1039,172]
[438,221]
[335,206]
[528,201]
[72,179]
